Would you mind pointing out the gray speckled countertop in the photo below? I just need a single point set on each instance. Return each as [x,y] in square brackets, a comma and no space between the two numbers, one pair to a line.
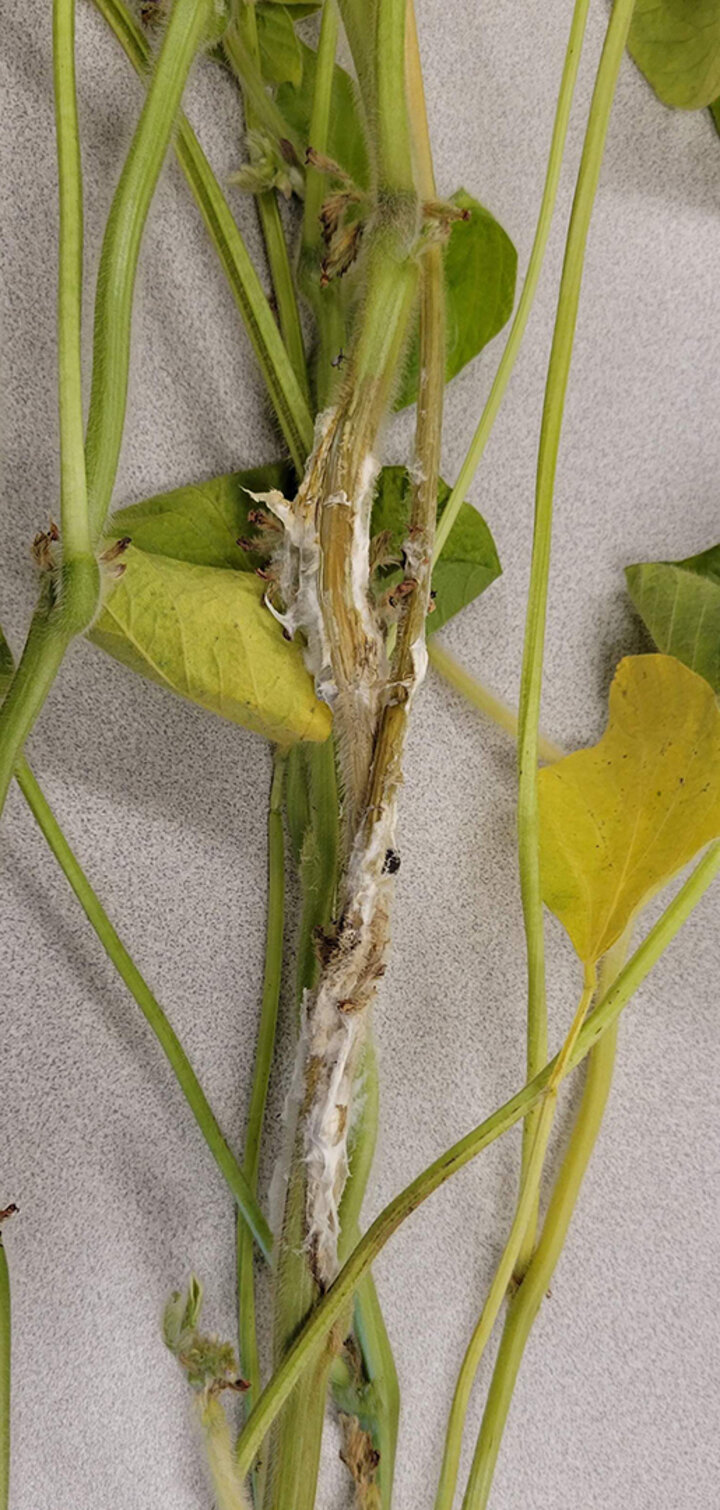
[617,1404]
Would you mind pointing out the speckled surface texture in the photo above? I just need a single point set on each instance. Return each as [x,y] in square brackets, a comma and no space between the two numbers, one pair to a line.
[617,1402]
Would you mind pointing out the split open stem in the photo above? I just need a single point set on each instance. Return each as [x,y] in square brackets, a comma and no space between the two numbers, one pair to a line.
[551,427]
[314,1333]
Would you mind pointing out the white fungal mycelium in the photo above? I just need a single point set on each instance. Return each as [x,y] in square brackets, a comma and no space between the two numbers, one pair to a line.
[335,1014]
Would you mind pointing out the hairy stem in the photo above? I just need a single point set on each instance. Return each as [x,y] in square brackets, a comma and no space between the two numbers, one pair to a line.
[249,1360]
[284,391]
[531,681]
[537,255]
[152,1011]
[313,1335]
[526,1205]
[319,123]
[501,714]
[270,222]
[525,1303]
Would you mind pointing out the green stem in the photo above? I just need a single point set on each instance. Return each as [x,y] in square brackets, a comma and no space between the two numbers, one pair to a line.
[76,538]
[522,313]
[526,1302]
[67,603]
[313,1334]
[359,18]
[284,391]
[121,249]
[312,804]
[249,1361]
[262,104]
[505,717]
[5,1366]
[375,1400]
[319,124]
[394,157]
[152,1011]
[272,228]
[329,304]
[523,1216]
[531,681]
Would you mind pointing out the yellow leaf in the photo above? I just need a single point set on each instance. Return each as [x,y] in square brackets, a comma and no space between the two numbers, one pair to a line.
[619,820]
[204,632]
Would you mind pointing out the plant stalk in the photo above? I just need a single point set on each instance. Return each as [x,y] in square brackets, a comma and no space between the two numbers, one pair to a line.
[528,1297]
[550,431]
[186,26]
[526,1207]
[75,524]
[152,1011]
[269,216]
[532,276]
[485,701]
[313,1335]
[284,391]
[249,1359]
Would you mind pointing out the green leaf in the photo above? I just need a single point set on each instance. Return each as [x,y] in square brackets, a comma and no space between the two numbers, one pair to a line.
[715,113]
[679,602]
[204,632]
[480,272]
[202,523]
[619,820]
[469,562]
[280,56]
[346,143]
[676,44]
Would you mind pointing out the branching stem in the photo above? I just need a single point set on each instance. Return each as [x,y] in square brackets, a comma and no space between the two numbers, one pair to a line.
[531,681]
[313,1335]
[524,1213]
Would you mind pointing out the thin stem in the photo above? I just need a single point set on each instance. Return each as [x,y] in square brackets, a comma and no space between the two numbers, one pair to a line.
[271,224]
[249,1361]
[76,538]
[66,606]
[121,248]
[5,1375]
[525,1303]
[319,124]
[522,313]
[284,391]
[531,681]
[524,1214]
[263,105]
[501,714]
[313,1334]
[152,1011]
[329,303]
